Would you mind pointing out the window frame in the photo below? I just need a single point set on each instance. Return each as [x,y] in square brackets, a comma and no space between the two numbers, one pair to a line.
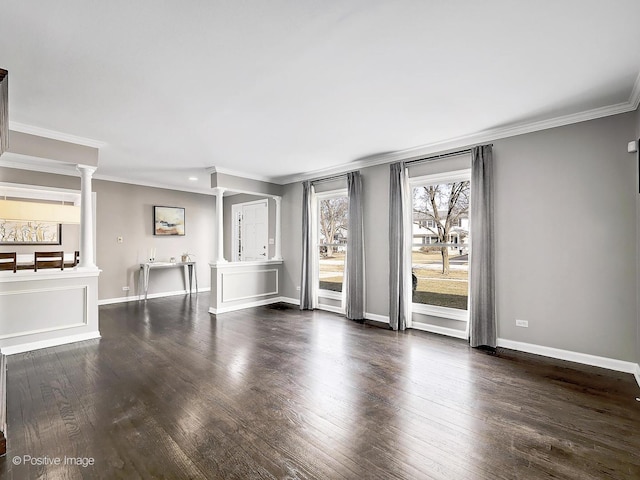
[434,179]
[318,292]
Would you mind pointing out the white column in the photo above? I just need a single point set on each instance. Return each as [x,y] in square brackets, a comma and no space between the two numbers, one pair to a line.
[219,225]
[86,217]
[278,251]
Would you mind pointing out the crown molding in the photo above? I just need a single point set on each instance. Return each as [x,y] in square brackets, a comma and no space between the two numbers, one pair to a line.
[236,173]
[146,183]
[25,162]
[470,139]
[63,137]
[634,98]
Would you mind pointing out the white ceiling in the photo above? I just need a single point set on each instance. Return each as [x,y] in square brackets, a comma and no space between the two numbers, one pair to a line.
[280,87]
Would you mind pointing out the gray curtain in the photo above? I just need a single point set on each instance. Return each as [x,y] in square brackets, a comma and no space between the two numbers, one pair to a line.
[354,273]
[306,282]
[399,267]
[482,315]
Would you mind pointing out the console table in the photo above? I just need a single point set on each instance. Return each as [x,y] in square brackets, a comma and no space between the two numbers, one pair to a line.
[148,266]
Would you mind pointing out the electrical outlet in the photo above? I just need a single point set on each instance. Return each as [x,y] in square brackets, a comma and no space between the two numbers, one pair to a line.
[522,323]
[298,288]
[120,239]
[272,241]
[125,289]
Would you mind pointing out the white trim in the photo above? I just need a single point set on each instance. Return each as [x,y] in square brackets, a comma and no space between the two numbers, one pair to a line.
[35,164]
[437,178]
[54,342]
[85,294]
[330,294]
[634,98]
[292,301]
[636,373]
[244,264]
[376,318]
[222,274]
[469,139]
[440,312]
[44,330]
[152,184]
[584,358]
[331,308]
[449,332]
[136,298]
[242,306]
[63,137]
[8,276]
[237,173]
[39,193]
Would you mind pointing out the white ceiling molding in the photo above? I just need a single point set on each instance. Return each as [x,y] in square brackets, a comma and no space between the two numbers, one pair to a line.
[144,183]
[634,98]
[236,173]
[63,137]
[25,162]
[471,139]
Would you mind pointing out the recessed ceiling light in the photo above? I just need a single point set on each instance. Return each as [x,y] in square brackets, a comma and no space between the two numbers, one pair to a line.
[193,179]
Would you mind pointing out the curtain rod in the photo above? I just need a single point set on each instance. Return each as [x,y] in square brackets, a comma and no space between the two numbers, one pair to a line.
[328,179]
[443,155]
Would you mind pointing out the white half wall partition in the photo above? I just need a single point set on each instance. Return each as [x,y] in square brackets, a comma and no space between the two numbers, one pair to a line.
[238,285]
[47,308]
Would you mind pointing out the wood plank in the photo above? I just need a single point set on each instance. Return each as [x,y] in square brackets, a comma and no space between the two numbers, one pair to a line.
[171,391]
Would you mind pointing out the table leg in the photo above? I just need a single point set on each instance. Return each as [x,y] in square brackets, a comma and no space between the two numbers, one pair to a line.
[146,281]
[195,274]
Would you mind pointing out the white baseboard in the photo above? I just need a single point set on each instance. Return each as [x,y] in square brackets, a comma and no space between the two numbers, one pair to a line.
[135,298]
[449,332]
[292,301]
[377,318]
[54,342]
[331,308]
[584,358]
[636,373]
[242,306]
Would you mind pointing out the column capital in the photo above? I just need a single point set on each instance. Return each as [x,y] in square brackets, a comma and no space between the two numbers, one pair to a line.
[90,169]
[219,191]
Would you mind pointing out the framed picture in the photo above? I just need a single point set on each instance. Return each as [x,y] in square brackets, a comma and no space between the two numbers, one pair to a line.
[23,232]
[168,220]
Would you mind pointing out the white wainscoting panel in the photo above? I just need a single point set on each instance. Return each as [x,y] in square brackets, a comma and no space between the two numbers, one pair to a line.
[242,285]
[26,312]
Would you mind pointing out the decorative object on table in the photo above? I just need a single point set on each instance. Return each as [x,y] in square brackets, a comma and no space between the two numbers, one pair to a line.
[152,254]
[168,220]
[20,232]
[172,259]
[186,257]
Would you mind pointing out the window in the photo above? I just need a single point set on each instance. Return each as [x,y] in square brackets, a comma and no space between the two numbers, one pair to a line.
[332,239]
[441,236]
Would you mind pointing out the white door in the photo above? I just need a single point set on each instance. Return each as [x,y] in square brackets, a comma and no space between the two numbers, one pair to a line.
[254,231]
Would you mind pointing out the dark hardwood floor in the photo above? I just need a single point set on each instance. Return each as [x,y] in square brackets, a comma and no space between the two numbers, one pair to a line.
[173,392]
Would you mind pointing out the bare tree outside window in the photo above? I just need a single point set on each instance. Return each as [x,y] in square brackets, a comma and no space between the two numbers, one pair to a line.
[332,241]
[333,222]
[440,260]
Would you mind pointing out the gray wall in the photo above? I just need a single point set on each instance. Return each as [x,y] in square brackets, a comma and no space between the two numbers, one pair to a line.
[241,184]
[565,237]
[127,210]
[35,146]
[291,239]
[637,159]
